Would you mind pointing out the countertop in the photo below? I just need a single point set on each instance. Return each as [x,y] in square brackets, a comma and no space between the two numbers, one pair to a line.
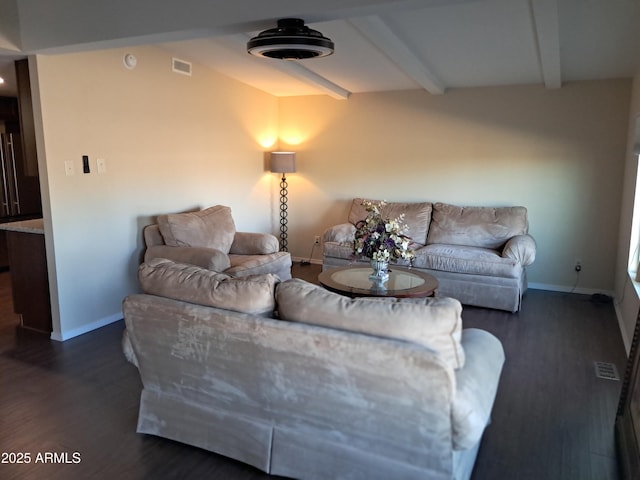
[28,226]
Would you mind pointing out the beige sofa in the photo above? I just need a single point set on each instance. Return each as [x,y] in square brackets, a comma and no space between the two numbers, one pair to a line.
[208,238]
[478,254]
[304,383]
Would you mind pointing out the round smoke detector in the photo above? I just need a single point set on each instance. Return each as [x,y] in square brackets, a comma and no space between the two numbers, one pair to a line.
[290,40]
[130,61]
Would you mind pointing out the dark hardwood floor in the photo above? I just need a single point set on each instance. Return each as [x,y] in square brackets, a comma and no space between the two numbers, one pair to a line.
[553,418]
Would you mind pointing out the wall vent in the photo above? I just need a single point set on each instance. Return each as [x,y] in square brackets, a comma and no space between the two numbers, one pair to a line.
[181,66]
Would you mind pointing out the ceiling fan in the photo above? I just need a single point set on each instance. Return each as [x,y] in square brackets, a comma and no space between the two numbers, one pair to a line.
[290,40]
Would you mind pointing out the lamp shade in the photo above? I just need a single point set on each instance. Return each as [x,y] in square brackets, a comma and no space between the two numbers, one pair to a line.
[283,162]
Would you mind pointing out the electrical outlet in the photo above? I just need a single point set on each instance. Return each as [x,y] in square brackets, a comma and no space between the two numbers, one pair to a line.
[578,266]
[316,240]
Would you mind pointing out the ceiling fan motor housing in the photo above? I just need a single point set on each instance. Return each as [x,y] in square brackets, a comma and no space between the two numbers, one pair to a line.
[290,40]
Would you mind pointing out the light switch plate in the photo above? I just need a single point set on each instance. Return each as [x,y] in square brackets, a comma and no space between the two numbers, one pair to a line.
[68,168]
[102,165]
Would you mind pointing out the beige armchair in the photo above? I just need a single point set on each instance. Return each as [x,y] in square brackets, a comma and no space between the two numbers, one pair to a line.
[208,239]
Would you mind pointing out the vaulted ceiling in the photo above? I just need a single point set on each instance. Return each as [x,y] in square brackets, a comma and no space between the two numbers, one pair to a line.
[380,44]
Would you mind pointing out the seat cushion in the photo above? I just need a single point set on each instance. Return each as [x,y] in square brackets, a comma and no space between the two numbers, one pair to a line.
[471,260]
[417,216]
[485,227]
[212,227]
[253,294]
[434,323]
[278,263]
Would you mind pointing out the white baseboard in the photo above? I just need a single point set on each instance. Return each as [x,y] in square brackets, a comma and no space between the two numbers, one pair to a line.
[61,337]
[623,332]
[315,261]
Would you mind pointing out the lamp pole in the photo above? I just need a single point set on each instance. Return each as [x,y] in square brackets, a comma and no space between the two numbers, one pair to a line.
[283,214]
[283,162]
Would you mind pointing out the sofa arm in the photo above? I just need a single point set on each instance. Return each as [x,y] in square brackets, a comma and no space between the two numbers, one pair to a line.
[521,248]
[127,349]
[343,233]
[250,243]
[476,387]
[208,258]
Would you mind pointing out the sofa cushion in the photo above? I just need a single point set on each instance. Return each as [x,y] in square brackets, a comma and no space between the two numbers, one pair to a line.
[251,294]
[417,216]
[278,263]
[212,227]
[485,227]
[209,258]
[471,260]
[250,243]
[434,323]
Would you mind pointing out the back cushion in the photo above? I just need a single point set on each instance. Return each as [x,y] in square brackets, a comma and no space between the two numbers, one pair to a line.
[435,323]
[210,228]
[485,227]
[253,294]
[417,216]
[152,236]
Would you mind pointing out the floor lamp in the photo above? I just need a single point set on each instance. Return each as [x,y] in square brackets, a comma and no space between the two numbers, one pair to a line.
[283,162]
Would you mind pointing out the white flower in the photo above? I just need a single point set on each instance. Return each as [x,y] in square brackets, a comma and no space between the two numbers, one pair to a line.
[381,238]
[381,255]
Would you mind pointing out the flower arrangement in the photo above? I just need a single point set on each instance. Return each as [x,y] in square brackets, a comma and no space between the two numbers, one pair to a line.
[380,238]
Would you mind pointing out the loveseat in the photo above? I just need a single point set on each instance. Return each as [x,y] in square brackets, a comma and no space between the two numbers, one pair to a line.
[208,238]
[304,383]
[478,254]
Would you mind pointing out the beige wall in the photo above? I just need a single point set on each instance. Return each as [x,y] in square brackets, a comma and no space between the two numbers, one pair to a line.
[626,289]
[559,152]
[171,143]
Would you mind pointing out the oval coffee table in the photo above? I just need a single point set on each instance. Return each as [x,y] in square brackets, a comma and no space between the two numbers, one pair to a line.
[354,281]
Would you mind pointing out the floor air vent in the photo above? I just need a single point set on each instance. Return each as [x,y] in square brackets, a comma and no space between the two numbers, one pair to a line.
[606,370]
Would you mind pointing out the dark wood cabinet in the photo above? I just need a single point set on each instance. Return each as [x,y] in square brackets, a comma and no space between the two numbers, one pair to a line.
[9,113]
[20,195]
[30,280]
[27,176]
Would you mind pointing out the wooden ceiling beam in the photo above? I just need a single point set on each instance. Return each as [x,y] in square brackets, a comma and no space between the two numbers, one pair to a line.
[385,39]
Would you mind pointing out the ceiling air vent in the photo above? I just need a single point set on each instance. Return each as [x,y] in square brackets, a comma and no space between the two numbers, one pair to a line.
[180,66]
